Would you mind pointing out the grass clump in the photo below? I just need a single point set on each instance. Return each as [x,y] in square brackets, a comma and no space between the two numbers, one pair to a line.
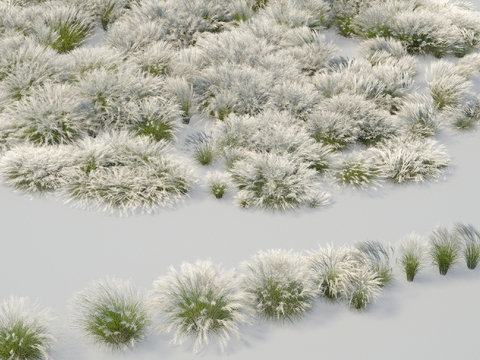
[202,302]
[469,238]
[360,287]
[24,333]
[411,159]
[411,255]
[218,183]
[358,172]
[468,117]
[444,249]
[37,169]
[201,147]
[276,183]
[111,314]
[281,286]
[420,117]
[378,258]
[327,266]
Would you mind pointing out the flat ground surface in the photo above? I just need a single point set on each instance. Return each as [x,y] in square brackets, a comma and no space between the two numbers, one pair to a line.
[50,251]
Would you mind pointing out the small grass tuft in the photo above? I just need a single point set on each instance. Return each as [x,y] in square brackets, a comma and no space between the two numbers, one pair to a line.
[201,147]
[378,257]
[469,238]
[444,249]
[218,183]
[360,287]
[411,255]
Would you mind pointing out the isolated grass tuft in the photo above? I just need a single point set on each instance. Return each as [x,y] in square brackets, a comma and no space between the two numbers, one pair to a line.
[411,255]
[111,314]
[444,249]
[281,285]
[327,266]
[24,333]
[379,258]
[469,238]
[218,183]
[200,146]
[203,302]
[468,117]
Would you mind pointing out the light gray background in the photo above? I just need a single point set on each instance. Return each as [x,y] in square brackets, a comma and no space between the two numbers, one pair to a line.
[50,251]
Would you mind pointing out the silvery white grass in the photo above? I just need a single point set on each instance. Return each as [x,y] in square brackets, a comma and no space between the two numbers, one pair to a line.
[234,88]
[419,116]
[186,63]
[281,286]
[181,92]
[272,132]
[200,146]
[332,128]
[360,287]
[297,13]
[155,58]
[357,170]
[469,238]
[36,169]
[379,49]
[447,87]
[130,35]
[202,302]
[276,183]
[119,172]
[218,183]
[406,159]
[111,314]
[468,117]
[309,48]
[24,333]
[105,11]
[11,21]
[411,255]
[443,249]
[469,65]
[327,266]
[107,96]
[373,124]
[46,115]
[343,12]
[379,258]
[24,64]
[67,26]
[83,60]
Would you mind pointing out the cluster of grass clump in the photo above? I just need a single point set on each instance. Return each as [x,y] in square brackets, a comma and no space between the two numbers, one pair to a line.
[279,100]
[24,333]
[111,314]
[436,28]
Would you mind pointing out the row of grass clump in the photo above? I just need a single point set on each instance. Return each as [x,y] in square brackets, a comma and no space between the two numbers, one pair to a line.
[204,302]
[104,126]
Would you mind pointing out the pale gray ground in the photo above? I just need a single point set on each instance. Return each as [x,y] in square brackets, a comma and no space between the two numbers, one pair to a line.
[50,251]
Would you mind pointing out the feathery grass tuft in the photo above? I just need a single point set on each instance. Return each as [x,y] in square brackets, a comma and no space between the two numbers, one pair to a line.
[218,183]
[356,171]
[378,257]
[202,302]
[201,147]
[281,285]
[411,255]
[468,117]
[360,287]
[111,314]
[444,249]
[24,333]
[469,238]
[327,266]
